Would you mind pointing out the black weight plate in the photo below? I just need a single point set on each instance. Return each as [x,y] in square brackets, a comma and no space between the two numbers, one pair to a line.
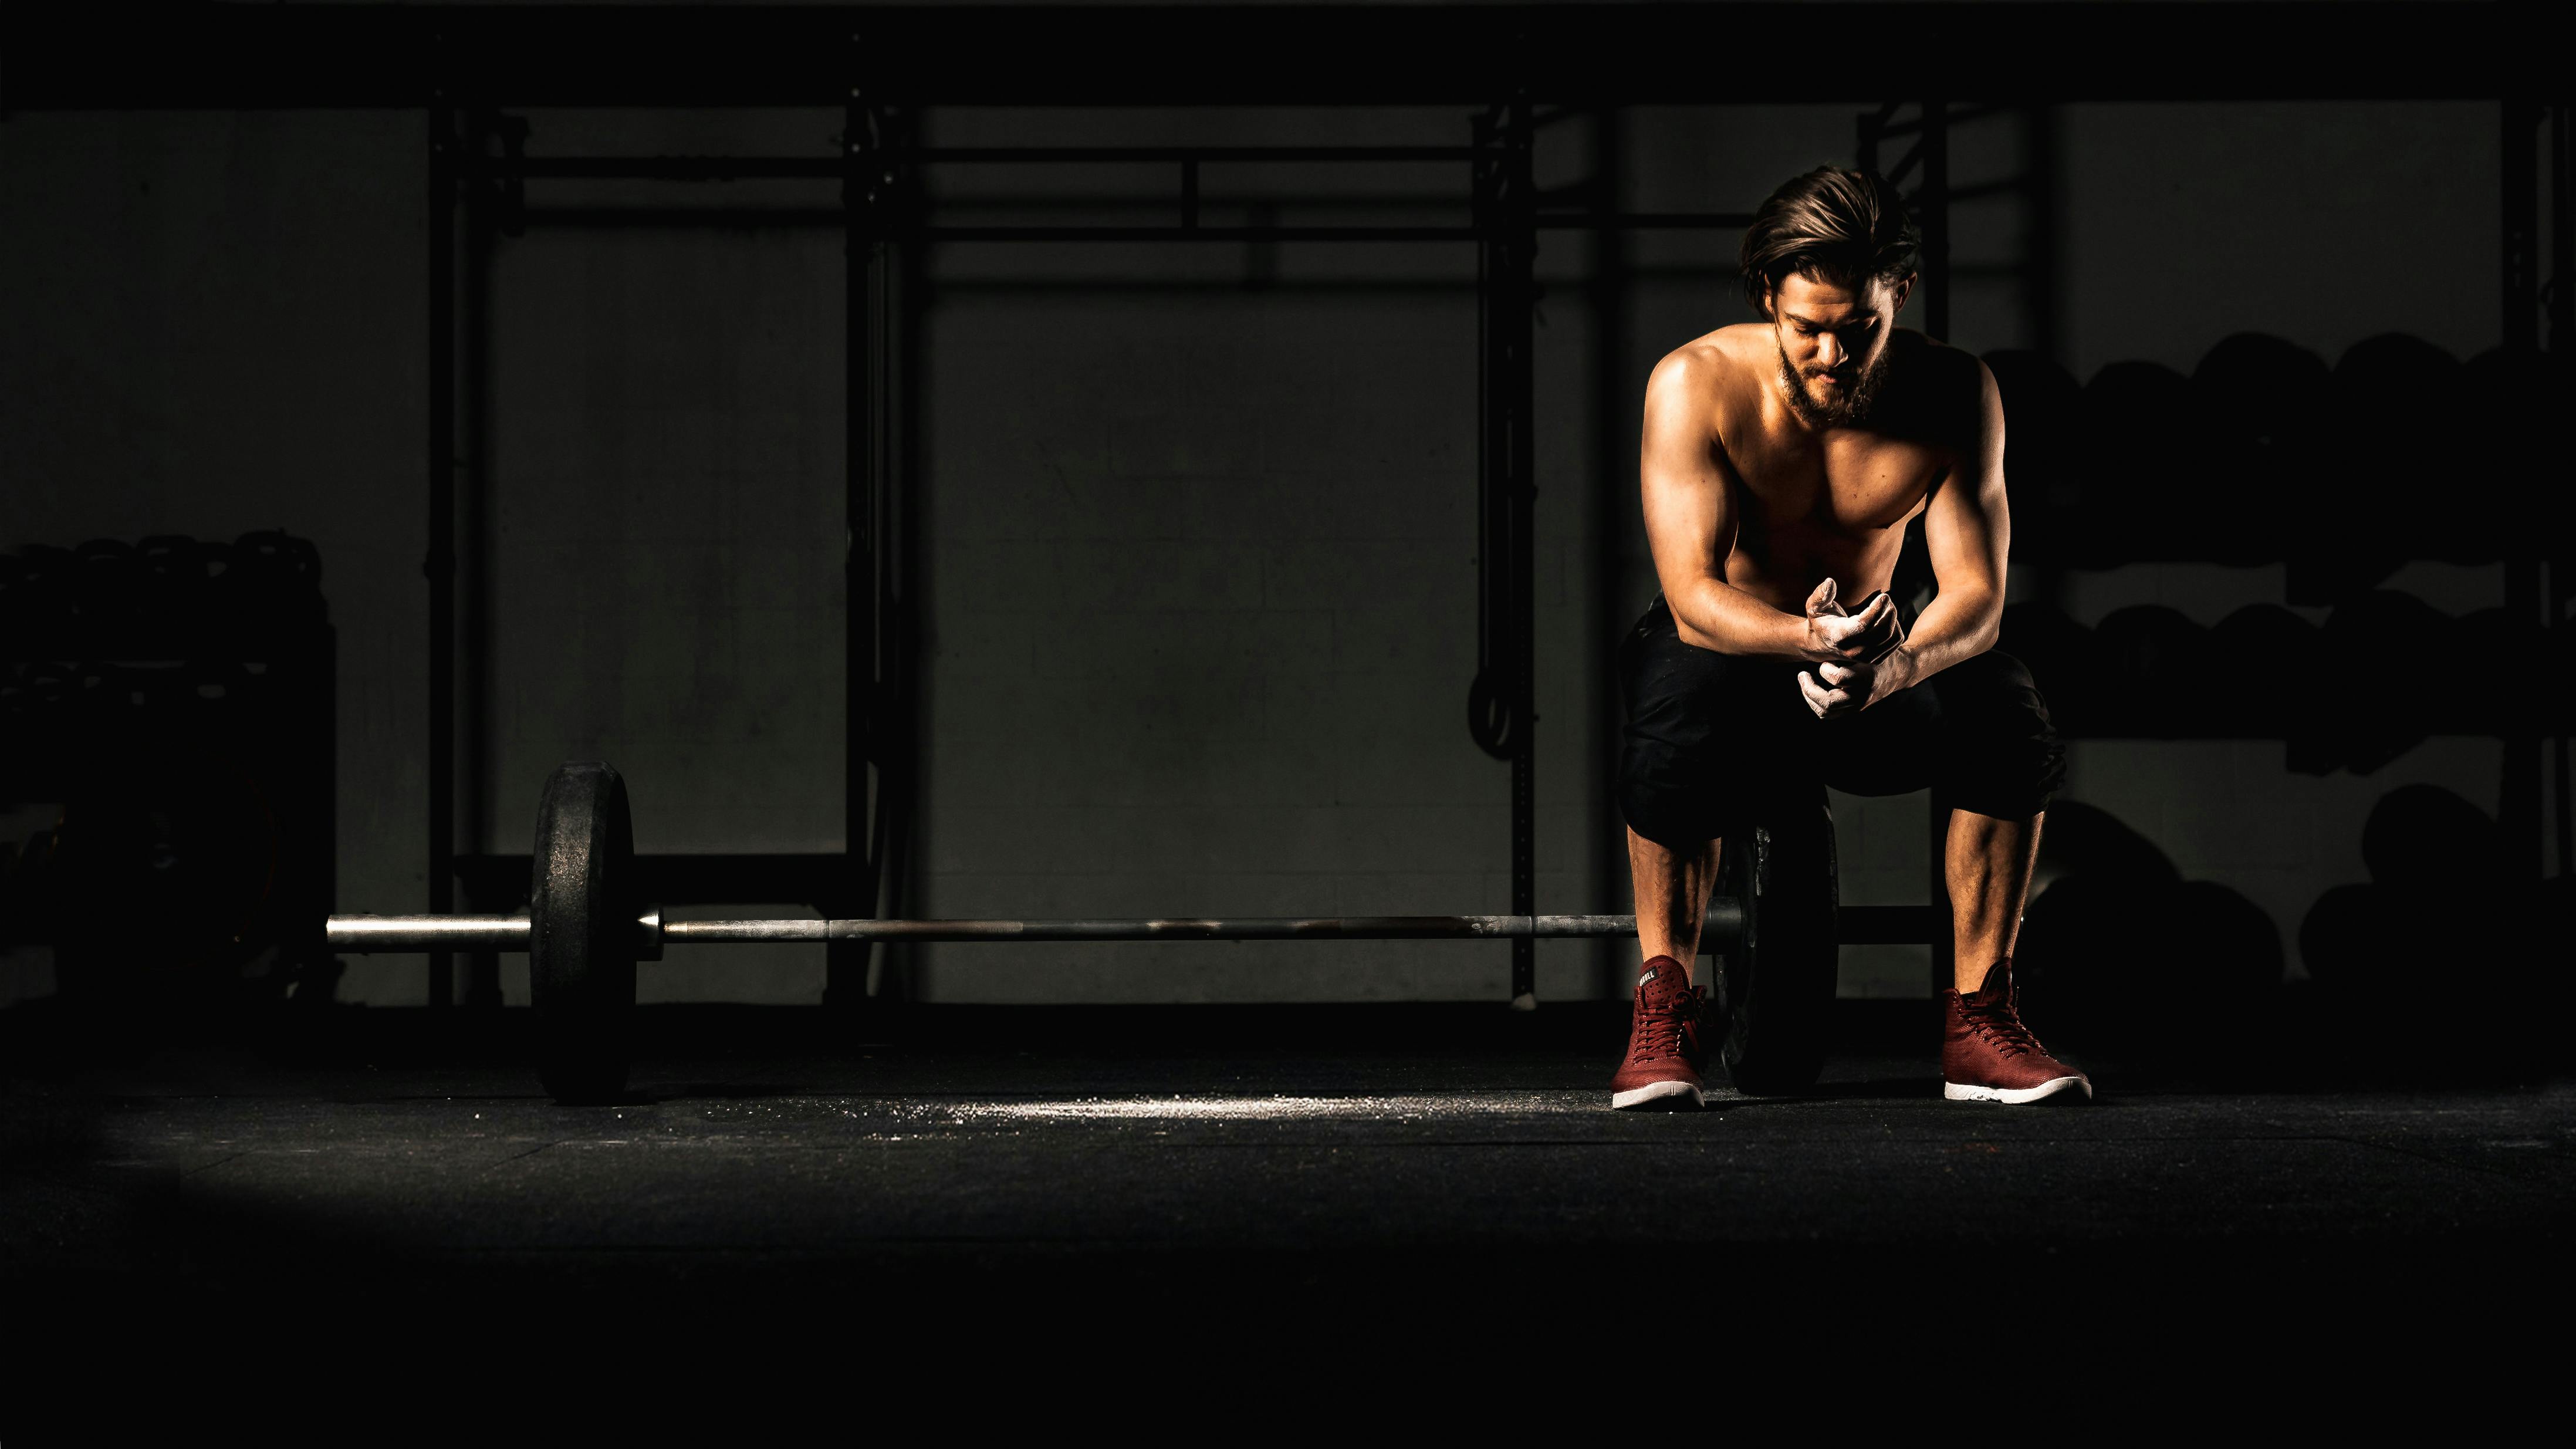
[581,941]
[1775,983]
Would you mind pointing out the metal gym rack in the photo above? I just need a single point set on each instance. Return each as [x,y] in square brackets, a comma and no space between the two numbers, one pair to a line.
[463,65]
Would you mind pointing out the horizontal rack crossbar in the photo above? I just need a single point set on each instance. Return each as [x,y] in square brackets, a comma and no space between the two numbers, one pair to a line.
[606,216]
[1015,155]
[732,168]
[1196,233]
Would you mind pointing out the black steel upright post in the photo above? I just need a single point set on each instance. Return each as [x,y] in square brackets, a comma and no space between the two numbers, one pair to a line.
[899,573]
[845,980]
[2562,336]
[1932,213]
[2518,809]
[2520,220]
[1869,128]
[1523,392]
[1502,705]
[440,563]
[1614,439]
[484,218]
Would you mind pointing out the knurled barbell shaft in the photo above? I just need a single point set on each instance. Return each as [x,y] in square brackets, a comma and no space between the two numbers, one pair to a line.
[1325,928]
[360,934]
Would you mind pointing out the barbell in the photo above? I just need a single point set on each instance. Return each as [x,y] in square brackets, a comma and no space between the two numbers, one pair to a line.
[1773,922]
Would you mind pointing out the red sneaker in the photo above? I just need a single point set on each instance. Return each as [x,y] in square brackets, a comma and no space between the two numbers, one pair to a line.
[1663,1041]
[1987,1055]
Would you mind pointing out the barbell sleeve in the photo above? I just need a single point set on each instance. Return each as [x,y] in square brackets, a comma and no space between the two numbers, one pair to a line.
[362,934]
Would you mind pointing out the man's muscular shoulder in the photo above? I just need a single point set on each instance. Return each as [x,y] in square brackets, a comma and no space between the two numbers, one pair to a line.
[1713,375]
[1727,354]
[1723,380]
[1935,393]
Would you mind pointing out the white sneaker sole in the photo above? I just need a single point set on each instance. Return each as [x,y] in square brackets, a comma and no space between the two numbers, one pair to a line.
[2014,1096]
[1657,1092]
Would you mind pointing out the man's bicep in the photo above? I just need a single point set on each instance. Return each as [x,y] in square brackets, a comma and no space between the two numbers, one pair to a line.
[1967,526]
[1690,520]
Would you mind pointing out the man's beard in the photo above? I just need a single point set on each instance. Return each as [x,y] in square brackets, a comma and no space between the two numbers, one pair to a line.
[1851,412]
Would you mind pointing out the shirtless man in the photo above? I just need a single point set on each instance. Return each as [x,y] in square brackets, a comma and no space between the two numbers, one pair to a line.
[1781,463]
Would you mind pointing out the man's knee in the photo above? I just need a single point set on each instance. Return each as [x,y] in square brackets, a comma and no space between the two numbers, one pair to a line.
[1683,811]
[1679,817]
[2004,758]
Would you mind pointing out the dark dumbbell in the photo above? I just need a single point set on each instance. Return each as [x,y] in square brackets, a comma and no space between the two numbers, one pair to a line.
[2152,671]
[2259,391]
[2099,950]
[2059,653]
[16,608]
[271,580]
[2263,675]
[2437,965]
[2144,436]
[2348,940]
[2370,725]
[109,586]
[2390,429]
[2263,399]
[178,575]
[2043,419]
[46,610]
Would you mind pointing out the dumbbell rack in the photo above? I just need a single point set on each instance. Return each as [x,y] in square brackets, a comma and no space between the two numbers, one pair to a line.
[136,674]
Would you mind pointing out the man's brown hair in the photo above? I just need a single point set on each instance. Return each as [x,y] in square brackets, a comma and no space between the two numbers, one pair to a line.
[1833,225]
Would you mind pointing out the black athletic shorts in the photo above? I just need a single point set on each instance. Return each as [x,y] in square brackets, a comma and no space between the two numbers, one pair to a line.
[1713,739]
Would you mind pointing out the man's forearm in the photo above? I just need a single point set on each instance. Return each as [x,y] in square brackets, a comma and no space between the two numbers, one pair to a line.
[1714,614]
[1959,624]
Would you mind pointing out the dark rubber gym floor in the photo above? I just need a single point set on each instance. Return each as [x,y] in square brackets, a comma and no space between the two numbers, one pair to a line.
[1168,1164]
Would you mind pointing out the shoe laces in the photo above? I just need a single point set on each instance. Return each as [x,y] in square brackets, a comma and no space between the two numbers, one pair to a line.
[2000,1026]
[1658,1032]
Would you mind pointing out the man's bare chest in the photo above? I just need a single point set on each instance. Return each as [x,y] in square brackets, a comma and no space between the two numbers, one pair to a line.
[1857,484]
